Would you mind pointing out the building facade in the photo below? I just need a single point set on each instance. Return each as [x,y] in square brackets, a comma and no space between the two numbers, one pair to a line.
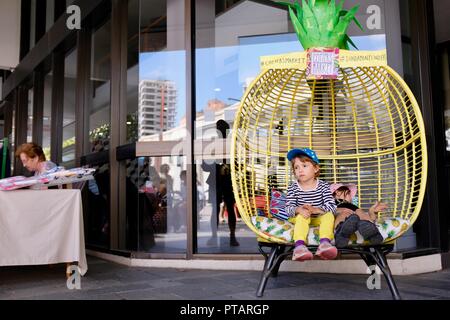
[157,107]
[139,90]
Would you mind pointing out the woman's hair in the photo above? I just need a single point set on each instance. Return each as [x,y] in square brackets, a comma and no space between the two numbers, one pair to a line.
[345,190]
[31,150]
[306,159]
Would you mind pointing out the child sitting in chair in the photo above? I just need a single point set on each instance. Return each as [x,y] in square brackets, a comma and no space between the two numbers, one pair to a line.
[350,218]
[309,202]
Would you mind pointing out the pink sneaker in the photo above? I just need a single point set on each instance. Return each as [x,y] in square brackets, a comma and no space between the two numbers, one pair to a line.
[301,253]
[326,251]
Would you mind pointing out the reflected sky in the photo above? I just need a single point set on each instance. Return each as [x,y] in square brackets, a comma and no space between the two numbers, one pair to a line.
[222,72]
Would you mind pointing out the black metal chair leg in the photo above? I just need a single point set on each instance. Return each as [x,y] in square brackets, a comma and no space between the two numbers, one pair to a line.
[281,256]
[276,268]
[266,271]
[382,263]
[377,255]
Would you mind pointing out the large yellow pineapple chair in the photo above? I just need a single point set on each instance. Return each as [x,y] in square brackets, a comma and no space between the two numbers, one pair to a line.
[366,128]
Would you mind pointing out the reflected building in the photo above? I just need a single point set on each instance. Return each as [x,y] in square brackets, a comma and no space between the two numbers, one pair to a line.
[157,107]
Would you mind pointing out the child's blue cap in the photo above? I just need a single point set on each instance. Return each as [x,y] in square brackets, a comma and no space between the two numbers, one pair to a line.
[303,152]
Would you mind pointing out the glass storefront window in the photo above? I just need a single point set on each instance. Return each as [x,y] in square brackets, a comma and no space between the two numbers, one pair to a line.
[231,36]
[12,138]
[100,113]
[230,44]
[407,49]
[132,206]
[97,209]
[133,71]
[50,14]
[30,116]
[162,71]
[47,120]
[32,23]
[70,75]
[445,62]
[98,195]
[159,185]
[215,221]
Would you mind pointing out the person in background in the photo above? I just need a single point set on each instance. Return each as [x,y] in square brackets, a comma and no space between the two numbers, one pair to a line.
[221,191]
[180,206]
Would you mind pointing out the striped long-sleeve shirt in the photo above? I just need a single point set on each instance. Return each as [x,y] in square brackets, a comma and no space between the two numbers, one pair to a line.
[320,197]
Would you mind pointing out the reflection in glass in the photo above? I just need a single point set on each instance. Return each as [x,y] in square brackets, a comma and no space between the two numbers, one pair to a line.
[162,71]
[46,134]
[100,113]
[231,36]
[215,220]
[132,72]
[49,14]
[70,75]
[32,23]
[446,88]
[132,210]
[30,116]
[97,207]
[159,185]
[228,54]
[12,137]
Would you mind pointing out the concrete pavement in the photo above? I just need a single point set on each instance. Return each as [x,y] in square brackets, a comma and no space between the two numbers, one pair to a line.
[106,280]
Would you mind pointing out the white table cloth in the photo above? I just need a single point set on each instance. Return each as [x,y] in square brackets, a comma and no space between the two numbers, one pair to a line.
[42,227]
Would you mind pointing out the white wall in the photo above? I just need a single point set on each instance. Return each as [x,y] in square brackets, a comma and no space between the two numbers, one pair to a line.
[9,33]
[249,18]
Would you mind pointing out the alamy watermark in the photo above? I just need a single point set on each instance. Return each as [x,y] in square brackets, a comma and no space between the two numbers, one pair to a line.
[374,20]
[73,21]
[74,280]
[374,280]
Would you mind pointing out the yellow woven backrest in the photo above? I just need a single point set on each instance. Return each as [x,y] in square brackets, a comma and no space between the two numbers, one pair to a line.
[366,128]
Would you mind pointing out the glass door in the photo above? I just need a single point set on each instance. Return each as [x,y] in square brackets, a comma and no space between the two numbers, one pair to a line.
[158,174]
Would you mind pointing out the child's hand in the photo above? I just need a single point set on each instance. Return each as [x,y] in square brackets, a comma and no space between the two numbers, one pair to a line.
[314,211]
[345,211]
[305,213]
[378,206]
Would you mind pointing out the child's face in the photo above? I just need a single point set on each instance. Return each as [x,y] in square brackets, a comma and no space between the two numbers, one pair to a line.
[304,171]
[342,195]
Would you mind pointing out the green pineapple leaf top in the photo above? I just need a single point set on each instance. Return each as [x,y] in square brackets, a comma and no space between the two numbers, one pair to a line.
[320,23]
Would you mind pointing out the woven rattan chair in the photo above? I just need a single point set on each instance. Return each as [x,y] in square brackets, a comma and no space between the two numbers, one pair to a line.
[366,128]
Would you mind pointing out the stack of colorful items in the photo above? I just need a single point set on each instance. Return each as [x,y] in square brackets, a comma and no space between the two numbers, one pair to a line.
[57,176]
[64,177]
[19,182]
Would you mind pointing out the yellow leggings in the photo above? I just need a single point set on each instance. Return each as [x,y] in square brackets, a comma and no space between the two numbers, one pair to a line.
[325,223]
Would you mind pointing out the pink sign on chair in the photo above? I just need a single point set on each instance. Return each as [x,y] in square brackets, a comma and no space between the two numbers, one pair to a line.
[322,63]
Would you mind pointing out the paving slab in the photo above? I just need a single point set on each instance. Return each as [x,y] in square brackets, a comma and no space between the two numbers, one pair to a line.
[109,281]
